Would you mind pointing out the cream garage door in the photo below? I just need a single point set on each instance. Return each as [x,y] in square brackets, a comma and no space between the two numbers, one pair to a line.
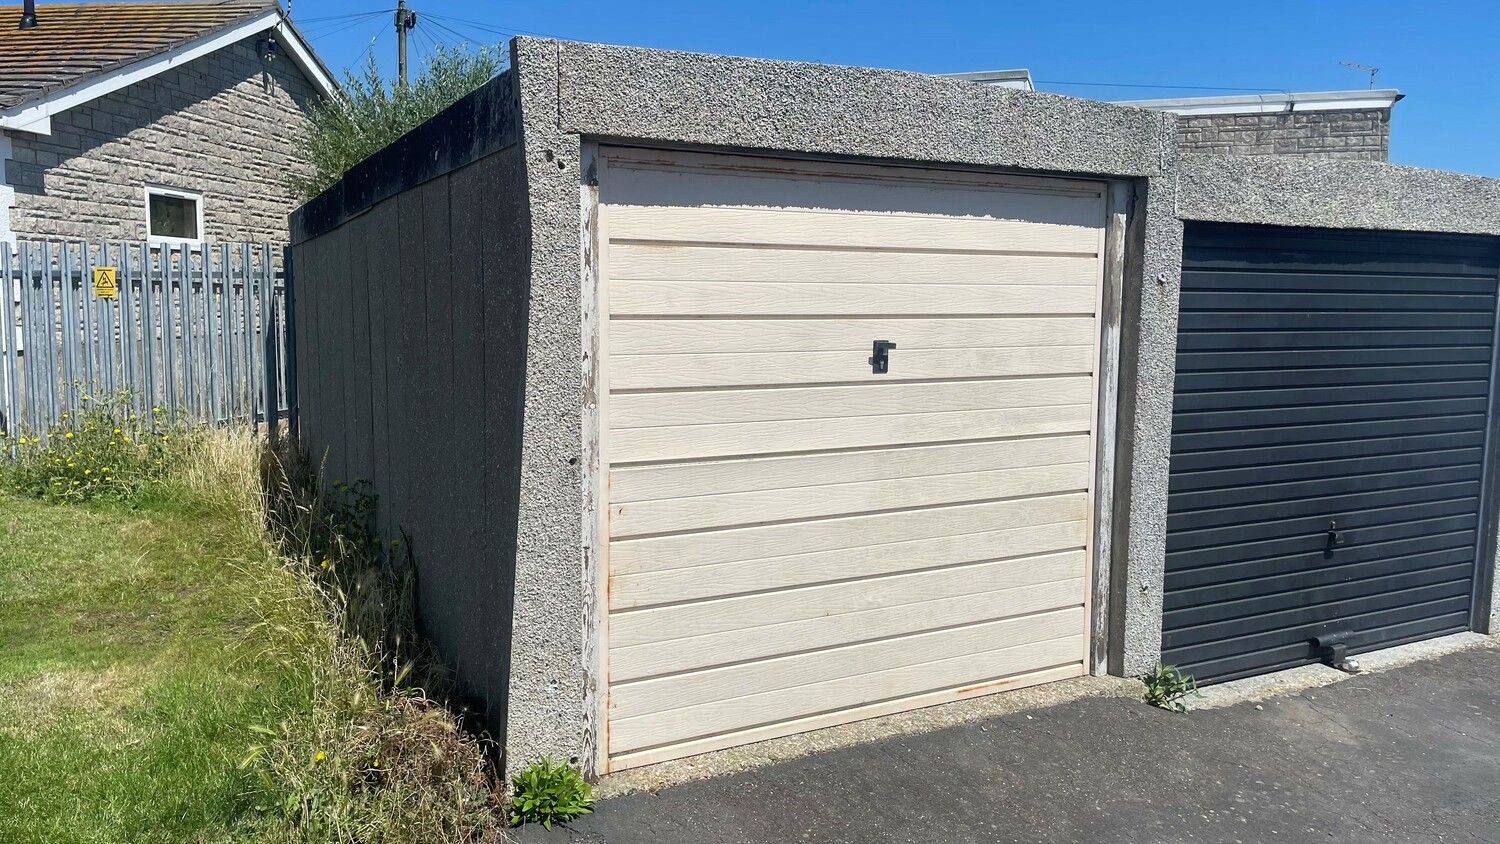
[794,539]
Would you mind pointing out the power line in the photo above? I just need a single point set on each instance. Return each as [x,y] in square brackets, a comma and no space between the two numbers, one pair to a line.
[1163,87]
[339,28]
[486,26]
[344,17]
[459,36]
[368,48]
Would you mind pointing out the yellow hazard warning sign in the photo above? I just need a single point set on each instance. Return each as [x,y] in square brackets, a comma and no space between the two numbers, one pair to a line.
[105,286]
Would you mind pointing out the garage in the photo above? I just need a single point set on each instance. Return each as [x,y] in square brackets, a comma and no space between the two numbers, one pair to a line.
[847,441]
[1329,448]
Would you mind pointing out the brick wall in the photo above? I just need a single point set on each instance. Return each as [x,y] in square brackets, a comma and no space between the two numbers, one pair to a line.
[213,126]
[1363,134]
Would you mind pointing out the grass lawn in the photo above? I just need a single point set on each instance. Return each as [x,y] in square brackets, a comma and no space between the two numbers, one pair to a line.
[167,675]
[132,671]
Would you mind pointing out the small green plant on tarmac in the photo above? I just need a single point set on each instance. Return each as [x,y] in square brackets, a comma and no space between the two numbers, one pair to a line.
[1168,688]
[549,792]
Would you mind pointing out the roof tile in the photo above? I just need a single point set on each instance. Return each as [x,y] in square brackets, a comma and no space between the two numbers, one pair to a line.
[74,41]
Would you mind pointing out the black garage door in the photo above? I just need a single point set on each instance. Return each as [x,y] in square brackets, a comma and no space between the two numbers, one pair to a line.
[1328,445]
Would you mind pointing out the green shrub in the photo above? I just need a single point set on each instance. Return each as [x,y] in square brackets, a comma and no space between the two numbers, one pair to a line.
[1167,688]
[549,792]
[103,450]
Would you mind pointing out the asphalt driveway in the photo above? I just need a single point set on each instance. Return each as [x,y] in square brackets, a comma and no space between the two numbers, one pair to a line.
[1406,755]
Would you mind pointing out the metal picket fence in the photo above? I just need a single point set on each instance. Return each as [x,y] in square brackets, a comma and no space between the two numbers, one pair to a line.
[199,330]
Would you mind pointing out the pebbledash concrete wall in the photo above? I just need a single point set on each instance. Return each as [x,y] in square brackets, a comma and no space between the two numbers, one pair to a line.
[1359,134]
[226,124]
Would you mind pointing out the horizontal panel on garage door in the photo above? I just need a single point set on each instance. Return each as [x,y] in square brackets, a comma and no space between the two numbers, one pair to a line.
[1329,431]
[796,539]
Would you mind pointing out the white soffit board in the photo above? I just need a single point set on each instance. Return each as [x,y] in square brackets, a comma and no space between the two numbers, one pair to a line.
[35,116]
[794,540]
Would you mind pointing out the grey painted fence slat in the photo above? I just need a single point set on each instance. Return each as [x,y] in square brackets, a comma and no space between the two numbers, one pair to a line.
[48,320]
[28,316]
[199,337]
[247,332]
[9,359]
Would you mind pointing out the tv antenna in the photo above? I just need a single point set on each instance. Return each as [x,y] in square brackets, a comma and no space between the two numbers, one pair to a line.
[1363,67]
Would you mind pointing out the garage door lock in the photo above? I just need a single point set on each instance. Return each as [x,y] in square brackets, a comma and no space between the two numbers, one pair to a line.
[1334,538]
[1333,650]
[880,362]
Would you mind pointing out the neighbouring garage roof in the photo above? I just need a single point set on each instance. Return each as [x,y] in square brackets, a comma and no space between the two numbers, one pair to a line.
[76,45]
[1279,102]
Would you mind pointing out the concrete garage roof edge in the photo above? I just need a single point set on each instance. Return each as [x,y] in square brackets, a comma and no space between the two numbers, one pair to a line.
[1327,193]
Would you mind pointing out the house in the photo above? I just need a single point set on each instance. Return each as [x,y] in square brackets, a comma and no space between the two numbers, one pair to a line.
[722,399]
[161,121]
[1355,125]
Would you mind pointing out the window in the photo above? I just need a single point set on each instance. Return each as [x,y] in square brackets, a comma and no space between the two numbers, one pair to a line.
[173,215]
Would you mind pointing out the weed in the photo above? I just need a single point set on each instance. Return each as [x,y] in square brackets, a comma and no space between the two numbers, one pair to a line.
[1167,688]
[177,664]
[549,792]
[379,758]
[103,450]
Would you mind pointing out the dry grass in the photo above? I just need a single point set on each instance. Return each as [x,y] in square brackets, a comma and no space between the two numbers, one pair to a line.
[180,666]
[378,759]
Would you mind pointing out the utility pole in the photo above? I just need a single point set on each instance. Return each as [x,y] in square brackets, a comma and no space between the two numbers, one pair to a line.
[406,20]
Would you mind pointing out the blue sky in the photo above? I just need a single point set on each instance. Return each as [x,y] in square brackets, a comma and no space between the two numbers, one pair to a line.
[1444,56]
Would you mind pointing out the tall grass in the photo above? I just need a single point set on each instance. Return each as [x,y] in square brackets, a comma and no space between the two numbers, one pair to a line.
[269,647]
[377,758]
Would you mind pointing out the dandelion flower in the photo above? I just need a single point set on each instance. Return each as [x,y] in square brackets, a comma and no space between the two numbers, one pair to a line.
[319,757]
[68,435]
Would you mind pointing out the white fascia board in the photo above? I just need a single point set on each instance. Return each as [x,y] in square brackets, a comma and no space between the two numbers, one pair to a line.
[1272,103]
[1018,78]
[35,117]
[306,60]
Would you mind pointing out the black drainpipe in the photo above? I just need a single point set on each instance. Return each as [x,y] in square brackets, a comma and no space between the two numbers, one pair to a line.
[28,14]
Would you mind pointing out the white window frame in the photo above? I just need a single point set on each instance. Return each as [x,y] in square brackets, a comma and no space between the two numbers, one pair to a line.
[177,193]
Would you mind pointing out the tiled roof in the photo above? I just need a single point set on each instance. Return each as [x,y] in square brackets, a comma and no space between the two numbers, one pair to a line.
[75,41]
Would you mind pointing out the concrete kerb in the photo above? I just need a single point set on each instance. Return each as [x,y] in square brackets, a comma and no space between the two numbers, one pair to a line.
[1294,680]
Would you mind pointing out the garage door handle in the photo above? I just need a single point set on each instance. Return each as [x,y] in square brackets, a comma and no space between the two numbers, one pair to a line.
[880,362]
[1333,536]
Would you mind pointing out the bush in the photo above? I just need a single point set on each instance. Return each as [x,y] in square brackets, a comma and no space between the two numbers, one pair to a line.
[103,450]
[549,792]
[373,111]
[1167,688]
